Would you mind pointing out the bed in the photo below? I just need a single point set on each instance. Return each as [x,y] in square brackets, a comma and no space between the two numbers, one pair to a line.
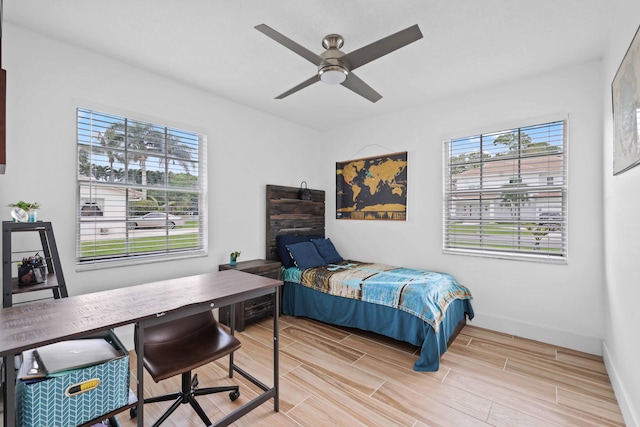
[425,308]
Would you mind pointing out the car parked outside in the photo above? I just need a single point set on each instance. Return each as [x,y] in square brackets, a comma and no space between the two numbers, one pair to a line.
[155,220]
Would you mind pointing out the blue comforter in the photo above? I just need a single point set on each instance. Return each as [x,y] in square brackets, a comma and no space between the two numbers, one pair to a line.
[425,294]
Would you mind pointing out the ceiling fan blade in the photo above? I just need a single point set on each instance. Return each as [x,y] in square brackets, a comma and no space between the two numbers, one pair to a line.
[302,85]
[354,83]
[375,50]
[290,44]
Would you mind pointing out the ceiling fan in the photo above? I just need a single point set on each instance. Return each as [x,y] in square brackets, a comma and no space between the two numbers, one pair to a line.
[335,66]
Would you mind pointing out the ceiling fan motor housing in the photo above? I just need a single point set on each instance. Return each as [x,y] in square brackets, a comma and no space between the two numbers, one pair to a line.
[332,41]
[332,70]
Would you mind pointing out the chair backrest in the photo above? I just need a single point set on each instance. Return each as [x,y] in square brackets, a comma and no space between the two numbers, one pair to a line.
[179,328]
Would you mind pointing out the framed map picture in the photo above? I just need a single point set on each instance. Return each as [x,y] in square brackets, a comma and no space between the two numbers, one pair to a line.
[372,188]
[625,91]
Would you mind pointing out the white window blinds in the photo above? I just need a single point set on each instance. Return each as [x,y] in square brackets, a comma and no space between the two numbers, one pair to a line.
[505,193]
[141,190]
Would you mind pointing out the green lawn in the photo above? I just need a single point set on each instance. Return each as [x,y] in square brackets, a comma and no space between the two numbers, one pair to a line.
[493,228]
[492,234]
[111,247]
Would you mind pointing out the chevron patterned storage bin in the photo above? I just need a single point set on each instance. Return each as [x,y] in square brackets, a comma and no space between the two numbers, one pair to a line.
[47,403]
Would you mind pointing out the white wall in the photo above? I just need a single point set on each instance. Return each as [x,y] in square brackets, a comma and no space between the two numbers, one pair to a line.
[622,237]
[46,80]
[560,304]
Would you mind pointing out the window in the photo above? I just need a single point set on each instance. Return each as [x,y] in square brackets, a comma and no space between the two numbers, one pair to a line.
[141,191]
[505,193]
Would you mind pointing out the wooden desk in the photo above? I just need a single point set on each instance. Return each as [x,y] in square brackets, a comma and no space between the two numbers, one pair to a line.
[31,325]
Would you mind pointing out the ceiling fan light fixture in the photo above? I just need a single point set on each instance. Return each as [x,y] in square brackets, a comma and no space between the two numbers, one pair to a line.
[333,74]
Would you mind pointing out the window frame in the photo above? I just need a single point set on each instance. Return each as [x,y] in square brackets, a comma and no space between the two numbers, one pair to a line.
[167,168]
[548,228]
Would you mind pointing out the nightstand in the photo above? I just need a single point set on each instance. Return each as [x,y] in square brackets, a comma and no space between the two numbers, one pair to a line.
[256,308]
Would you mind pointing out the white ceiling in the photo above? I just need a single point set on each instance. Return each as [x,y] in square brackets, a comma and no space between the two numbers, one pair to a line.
[212,45]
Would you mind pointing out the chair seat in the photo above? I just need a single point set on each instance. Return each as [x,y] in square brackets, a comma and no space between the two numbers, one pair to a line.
[176,347]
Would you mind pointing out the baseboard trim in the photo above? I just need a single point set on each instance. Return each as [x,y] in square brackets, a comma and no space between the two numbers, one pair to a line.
[561,338]
[630,418]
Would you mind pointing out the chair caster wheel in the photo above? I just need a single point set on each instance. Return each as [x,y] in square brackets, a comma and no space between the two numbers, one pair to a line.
[234,395]
[133,412]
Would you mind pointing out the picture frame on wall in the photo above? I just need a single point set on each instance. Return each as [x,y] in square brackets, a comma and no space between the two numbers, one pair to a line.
[625,91]
[372,188]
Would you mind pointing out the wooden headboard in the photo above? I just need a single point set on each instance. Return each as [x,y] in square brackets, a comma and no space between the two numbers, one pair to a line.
[287,214]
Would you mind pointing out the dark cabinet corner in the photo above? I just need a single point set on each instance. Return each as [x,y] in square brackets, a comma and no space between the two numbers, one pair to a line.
[253,309]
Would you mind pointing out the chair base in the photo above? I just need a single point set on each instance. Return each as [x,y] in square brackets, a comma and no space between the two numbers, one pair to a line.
[187,395]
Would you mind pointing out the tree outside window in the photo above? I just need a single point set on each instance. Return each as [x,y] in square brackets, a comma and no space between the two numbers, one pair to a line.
[136,168]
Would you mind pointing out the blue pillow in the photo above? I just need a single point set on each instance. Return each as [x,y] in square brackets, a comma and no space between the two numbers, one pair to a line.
[305,255]
[327,251]
[289,239]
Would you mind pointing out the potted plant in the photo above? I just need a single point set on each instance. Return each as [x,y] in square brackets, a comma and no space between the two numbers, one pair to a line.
[233,257]
[24,211]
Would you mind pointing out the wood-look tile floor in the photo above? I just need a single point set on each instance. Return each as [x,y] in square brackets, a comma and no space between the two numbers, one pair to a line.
[333,376]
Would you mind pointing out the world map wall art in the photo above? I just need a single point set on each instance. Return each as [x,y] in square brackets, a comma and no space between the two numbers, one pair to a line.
[372,188]
[626,110]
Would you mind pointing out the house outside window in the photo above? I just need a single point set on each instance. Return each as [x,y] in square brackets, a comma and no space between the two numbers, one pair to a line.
[141,191]
[505,193]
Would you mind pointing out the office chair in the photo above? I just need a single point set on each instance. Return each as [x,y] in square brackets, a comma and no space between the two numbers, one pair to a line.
[178,347]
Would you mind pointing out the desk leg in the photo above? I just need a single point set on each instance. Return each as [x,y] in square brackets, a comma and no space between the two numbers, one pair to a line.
[3,378]
[9,391]
[276,352]
[232,327]
[269,392]
[139,345]
[10,410]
